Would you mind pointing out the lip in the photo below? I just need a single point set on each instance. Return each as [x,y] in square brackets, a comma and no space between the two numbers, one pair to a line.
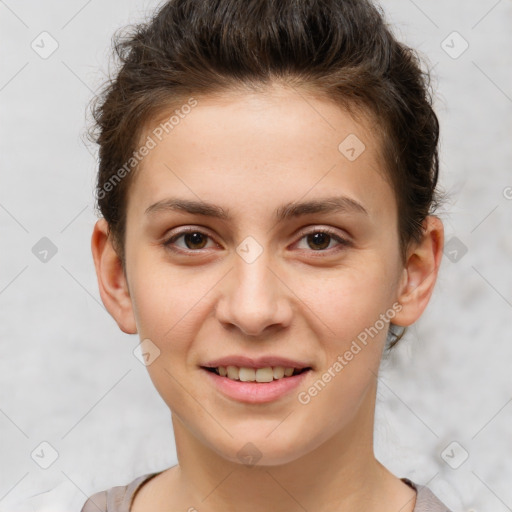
[260,362]
[255,392]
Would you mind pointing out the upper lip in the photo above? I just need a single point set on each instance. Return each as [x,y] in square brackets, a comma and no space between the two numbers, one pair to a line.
[260,362]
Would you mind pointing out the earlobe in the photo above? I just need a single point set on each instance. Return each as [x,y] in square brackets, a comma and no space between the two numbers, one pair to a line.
[112,282]
[420,272]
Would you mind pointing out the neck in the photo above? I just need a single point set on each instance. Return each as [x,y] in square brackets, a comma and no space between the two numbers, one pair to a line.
[341,470]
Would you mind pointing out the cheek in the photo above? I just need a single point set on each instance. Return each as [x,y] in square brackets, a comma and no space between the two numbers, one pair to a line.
[166,303]
[161,293]
[350,299]
[351,331]
[163,309]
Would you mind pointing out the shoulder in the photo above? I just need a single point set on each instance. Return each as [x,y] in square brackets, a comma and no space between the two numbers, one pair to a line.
[426,500]
[96,502]
[115,499]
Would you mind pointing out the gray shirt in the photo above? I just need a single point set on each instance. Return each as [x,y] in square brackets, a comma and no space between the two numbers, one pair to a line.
[120,498]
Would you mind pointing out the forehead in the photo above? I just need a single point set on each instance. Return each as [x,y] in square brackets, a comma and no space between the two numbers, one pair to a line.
[277,144]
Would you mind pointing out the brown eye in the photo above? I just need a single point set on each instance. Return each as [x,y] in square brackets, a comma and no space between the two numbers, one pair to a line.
[320,240]
[193,239]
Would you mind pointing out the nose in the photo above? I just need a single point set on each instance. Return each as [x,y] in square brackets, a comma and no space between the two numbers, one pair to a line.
[254,298]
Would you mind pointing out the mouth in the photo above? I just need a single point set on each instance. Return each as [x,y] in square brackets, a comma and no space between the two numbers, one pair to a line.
[260,375]
[256,385]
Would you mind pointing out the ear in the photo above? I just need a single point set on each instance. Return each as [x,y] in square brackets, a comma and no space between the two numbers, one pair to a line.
[112,281]
[420,272]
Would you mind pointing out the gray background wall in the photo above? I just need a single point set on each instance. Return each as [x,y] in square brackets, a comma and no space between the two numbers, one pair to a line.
[68,375]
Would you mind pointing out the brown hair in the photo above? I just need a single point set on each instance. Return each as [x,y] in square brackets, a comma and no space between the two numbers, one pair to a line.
[340,49]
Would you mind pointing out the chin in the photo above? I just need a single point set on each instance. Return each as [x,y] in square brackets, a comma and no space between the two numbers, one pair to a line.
[258,450]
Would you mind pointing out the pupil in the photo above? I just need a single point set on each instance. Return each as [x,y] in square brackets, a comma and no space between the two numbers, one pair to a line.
[318,238]
[195,239]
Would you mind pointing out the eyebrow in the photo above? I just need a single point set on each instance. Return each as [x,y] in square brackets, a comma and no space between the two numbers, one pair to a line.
[290,210]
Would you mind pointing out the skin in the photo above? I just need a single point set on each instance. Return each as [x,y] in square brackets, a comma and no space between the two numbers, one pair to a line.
[305,299]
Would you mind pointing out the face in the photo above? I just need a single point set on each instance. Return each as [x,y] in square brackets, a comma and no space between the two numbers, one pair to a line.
[264,276]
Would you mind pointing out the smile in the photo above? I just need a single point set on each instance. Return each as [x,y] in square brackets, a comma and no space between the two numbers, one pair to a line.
[241,384]
[266,374]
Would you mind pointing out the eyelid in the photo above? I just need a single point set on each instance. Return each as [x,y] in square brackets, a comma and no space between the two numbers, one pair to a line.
[323,229]
[171,238]
[342,240]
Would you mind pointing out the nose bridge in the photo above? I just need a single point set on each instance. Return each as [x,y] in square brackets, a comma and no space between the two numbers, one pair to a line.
[253,297]
[255,279]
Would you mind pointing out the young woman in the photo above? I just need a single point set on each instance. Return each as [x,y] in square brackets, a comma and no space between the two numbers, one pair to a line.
[267,183]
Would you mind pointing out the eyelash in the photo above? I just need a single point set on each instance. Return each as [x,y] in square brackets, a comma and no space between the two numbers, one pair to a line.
[343,242]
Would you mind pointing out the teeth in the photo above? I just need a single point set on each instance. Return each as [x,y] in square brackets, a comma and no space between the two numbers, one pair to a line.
[247,374]
[278,372]
[263,374]
[232,372]
[267,374]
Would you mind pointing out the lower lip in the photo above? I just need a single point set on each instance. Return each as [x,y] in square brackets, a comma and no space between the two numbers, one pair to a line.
[256,392]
